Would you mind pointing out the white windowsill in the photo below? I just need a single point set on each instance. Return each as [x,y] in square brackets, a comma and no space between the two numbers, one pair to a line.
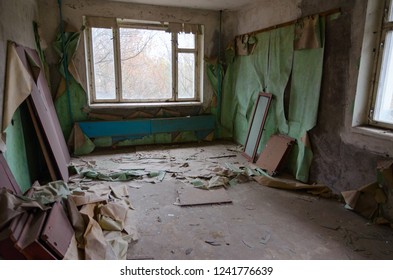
[371,139]
[144,105]
[373,131]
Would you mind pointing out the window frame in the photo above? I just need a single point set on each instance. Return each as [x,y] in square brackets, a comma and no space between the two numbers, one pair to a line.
[385,27]
[115,24]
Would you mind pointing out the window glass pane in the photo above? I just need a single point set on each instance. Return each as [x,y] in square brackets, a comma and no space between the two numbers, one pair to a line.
[390,17]
[103,63]
[186,40]
[146,64]
[384,102]
[186,75]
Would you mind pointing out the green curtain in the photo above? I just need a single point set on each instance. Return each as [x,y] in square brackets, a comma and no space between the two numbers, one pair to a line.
[272,67]
[77,98]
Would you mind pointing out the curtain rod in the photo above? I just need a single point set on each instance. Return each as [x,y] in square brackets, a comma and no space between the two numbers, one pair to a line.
[327,13]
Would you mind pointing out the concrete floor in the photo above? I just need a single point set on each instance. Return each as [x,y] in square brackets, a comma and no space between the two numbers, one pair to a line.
[260,223]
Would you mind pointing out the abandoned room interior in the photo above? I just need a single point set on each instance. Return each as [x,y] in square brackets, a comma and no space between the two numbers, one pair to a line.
[186,130]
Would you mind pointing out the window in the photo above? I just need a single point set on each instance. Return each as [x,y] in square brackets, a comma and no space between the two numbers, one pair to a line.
[134,62]
[381,109]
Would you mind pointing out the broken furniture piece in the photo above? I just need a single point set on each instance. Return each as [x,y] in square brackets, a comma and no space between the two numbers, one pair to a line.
[202,125]
[33,234]
[38,235]
[256,126]
[7,180]
[41,107]
[274,154]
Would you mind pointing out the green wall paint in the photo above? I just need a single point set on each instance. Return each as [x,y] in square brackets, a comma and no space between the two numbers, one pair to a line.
[16,154]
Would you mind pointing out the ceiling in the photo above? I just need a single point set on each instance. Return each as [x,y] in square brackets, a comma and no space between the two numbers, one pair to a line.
[196,4]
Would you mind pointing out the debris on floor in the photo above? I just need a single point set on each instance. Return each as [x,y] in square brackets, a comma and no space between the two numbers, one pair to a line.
[288,184]
[212,243]
[385,180]
[374,201]
[275,153]
[106,221]
[366,200]
[188,196]
[265,239]
[111,176]
[63,222]
[247,244]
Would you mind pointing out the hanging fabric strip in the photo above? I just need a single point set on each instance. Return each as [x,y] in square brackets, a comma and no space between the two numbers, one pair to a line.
[307,33]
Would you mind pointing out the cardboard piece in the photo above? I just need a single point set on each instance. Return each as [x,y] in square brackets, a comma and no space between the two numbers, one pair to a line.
[18,84]
[29,242]
[365,200]
[12,234]
[112,216]
[95,248]
[102,229]
[58,231]
[287,184]
[188,196]
[80,200]
[7,180]
[32,74]
[274,153]
[307,33]
[79,143]
[385,180]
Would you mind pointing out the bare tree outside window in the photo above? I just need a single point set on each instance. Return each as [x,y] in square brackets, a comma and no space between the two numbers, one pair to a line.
[146,64]
[134,61]
[383,111]
[104,63]
[186,80]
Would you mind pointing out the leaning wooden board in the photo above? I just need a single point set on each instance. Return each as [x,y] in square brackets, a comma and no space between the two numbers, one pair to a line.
[274,154]
[57,231]
[12,234]
[7,180]
[46,113]
[29,241]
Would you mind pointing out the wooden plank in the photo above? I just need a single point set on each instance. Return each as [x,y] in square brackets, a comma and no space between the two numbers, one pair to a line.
[41,140]
[58,231]
[192,123]
[7,179]
[116,128]
[189,196]
[29,241]
[47,117]
[140,128]
[44,117]
[7,248]
[18,227]
[43,87]
[274,153]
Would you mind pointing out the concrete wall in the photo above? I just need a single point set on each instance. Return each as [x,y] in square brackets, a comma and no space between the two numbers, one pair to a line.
[341,162]
[74,10]
[267,13]
[16,24]
[342,159]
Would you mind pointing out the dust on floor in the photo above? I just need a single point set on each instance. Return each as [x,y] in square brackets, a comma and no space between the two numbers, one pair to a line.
[260,223]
